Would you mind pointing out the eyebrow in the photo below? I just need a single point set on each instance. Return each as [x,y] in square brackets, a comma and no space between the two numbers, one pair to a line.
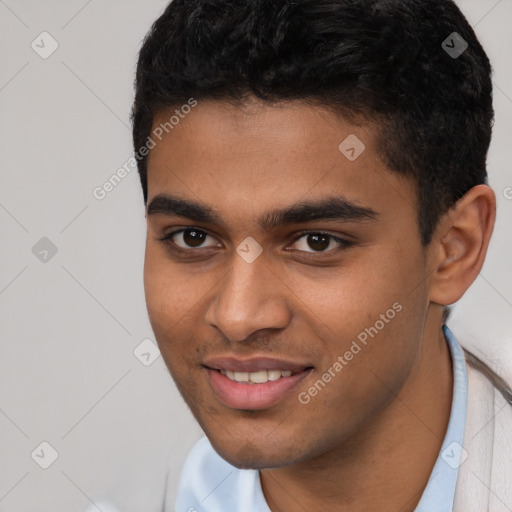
[330,208]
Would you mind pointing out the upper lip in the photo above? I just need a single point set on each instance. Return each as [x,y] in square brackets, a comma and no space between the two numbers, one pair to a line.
[253,364]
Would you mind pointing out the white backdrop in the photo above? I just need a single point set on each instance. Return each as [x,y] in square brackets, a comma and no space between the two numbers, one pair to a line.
[72,308]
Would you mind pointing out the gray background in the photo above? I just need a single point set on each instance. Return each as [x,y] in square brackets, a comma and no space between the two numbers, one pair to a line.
[70,321]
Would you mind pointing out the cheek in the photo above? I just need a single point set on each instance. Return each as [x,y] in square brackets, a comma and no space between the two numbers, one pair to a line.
[347,299]
[377,355]
[168,300]
[171,296]
[170,292]
[369,311]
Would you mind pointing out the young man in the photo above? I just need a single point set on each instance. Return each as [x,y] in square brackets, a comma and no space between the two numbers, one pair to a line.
[314,173]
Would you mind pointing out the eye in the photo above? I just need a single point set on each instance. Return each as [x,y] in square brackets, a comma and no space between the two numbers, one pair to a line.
[308,241]
[189,238]
[318,242]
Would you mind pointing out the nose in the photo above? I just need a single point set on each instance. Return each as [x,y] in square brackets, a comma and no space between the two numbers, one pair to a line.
[250,298]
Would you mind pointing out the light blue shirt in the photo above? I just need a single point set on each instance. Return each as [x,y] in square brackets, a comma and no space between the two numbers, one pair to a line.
[440,490]
[208,483]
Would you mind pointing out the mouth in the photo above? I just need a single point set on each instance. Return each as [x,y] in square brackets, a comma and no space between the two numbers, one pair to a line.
[254,384]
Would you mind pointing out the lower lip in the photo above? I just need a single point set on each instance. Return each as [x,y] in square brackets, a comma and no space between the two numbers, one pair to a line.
[241,395]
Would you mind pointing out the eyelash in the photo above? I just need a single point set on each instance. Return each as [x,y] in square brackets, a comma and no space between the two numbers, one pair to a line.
[167,240]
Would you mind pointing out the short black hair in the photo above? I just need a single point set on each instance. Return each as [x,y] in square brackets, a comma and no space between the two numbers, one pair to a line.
[384,61]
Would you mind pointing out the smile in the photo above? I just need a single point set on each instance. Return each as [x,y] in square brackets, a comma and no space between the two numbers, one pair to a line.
[254,390]
[259,377]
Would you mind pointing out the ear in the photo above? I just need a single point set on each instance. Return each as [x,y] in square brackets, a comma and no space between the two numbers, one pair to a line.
[460,244]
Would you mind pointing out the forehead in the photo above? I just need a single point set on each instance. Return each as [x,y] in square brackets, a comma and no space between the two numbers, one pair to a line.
[254,157]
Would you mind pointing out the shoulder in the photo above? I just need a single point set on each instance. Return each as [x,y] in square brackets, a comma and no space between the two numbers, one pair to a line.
[476,365]
[486,465]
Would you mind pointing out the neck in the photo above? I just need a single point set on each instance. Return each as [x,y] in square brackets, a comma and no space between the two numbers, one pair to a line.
[387,465]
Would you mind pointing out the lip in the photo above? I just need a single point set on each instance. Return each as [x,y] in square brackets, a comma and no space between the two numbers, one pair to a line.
[241,395]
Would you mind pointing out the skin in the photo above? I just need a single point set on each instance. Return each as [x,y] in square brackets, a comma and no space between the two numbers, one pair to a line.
[369,439]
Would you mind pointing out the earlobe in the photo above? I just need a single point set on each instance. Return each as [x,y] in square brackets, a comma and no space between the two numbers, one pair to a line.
[461,241]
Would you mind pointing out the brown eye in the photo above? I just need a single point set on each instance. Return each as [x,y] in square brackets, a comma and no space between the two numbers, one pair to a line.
[193,237]
[317,242]
[189,238]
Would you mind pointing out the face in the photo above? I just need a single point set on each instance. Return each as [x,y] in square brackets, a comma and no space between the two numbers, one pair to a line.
[271,250]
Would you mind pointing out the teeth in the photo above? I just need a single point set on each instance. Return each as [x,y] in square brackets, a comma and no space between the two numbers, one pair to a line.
[259,377]
[242,376]
[274,374]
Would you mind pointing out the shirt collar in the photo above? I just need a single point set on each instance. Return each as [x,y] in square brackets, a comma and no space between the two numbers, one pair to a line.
[440,490]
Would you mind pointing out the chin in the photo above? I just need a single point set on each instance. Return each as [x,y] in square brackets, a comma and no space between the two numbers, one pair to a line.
[247,455]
